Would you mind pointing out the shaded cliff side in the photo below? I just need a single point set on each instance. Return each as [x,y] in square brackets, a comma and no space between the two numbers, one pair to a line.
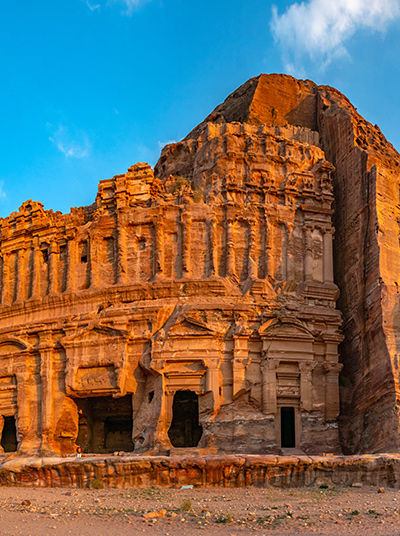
[367,216]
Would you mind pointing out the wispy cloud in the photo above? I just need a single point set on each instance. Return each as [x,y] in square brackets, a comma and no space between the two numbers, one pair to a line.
[92,7]
[71,142]
[319,29]
[128,6]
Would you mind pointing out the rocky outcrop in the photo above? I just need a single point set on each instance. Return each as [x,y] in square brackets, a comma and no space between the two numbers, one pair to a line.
[196,305]
[217,471]
[366,219]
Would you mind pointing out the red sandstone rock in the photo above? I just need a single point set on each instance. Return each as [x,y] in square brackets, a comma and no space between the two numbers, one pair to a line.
[197,306]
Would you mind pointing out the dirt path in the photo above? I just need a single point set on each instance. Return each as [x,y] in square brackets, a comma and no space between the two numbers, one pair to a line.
[187,512]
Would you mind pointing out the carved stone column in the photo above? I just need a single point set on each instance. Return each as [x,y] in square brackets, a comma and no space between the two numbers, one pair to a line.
[306,369]
[212,381]
[20,294]
[269,384]
[230,252]
[328,257]
[159,249]
[213,246]
[240,362]
[308,261]
[6,290]
[186,246]
[268,262]
[28,421]
[252,266]
[291,261]
[332,405]
[71,268]
[54,262]
[284,250]
[94,260]
[122,256]
[37,266]
[46,378]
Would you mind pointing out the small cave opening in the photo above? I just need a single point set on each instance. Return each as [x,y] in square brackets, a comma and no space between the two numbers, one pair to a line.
[185,430]
[9,435]
[105,424]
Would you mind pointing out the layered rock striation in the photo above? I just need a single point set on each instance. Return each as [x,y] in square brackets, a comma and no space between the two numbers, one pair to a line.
[195,306]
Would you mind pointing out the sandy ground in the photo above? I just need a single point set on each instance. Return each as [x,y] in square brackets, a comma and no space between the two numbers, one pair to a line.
[211,511]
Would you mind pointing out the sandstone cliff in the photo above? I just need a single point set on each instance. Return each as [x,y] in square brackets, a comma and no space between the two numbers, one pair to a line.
[366,219]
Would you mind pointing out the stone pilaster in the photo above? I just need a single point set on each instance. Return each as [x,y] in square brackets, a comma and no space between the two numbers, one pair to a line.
[252,266]
[332,405]
[328,257]
[269,384]
[186,245]
[306,402]
[54,262]
[46,348]
[122,255]
[159,249]
[212,381]
[37,266]
[6,295]
[71,266]
[21,280]
[308,261]
[213,247]
[28,413]
[94,260]
[240,362]
[230,252]
[268,262]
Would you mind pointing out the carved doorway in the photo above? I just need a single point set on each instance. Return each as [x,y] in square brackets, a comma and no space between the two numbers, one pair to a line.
[185,430]
[9,435]
[288,428]
[105,424]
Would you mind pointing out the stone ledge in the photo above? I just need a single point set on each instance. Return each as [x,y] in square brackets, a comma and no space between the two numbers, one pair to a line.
[216,471]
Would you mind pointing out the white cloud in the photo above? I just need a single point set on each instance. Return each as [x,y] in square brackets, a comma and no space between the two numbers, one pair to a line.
[128,5]
[72,143]
[319,29]
[91,6]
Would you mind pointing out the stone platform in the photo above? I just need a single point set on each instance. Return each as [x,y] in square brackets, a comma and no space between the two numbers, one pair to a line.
[213,470]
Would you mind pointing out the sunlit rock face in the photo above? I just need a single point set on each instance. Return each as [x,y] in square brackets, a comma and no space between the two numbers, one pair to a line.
[194,307]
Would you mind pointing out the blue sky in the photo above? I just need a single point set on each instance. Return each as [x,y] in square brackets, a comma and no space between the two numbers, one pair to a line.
[89,87]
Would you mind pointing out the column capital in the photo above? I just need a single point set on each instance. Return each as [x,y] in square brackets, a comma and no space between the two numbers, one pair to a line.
[269,364]
[332,367]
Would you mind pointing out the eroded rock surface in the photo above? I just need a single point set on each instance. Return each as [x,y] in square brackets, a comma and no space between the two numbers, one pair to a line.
[195,306]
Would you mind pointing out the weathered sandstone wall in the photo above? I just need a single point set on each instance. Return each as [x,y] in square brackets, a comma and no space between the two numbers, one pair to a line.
[366,247]
[196,305]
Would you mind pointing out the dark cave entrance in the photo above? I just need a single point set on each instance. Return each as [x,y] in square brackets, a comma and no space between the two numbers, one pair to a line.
[105,424]
[185,430]
[9,435]
[288,428]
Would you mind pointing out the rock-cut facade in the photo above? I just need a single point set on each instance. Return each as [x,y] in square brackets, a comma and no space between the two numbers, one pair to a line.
[197,306]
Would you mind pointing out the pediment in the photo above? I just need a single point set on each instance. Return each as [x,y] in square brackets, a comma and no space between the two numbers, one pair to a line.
[95,333]
[190,326]
[12,346]
[285,329]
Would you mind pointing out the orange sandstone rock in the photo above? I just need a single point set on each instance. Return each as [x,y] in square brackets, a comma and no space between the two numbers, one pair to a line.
[195,307]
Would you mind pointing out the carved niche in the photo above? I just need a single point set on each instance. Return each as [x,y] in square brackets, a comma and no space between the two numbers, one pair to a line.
[97,361]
